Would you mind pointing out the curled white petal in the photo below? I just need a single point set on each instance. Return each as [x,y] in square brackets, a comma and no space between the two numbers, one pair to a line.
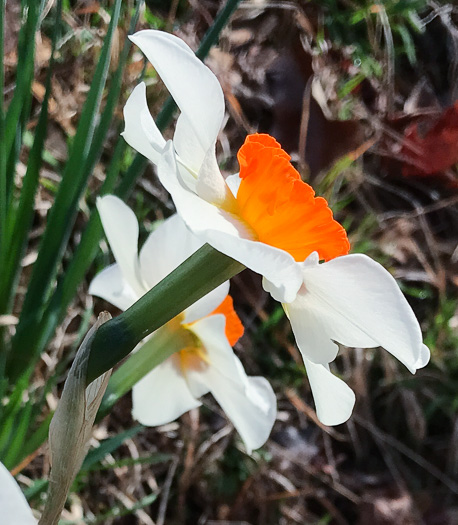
[140,130]
[193,86]
[249,402]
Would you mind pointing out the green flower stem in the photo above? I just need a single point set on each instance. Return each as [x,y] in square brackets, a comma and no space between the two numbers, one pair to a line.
[198,275]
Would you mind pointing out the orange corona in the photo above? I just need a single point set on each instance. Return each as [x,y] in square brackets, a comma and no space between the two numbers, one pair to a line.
[280,208]
[234,327]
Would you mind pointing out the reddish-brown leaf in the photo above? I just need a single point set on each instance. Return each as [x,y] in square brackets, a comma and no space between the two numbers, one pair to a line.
[435,151]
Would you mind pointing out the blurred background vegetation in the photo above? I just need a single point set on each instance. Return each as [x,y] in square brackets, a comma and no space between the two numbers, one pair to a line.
[364,96]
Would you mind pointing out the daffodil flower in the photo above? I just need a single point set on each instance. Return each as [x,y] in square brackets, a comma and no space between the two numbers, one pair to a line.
[267,218]
[13,505]
[208,329]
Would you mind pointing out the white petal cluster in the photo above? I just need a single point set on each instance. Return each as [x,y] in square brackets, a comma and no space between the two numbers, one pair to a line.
[354,301]
[166,392]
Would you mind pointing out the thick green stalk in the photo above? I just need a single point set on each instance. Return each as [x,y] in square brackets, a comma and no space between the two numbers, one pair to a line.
[198,275]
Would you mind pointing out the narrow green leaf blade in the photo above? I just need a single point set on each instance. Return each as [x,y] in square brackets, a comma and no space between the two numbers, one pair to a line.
[61,216]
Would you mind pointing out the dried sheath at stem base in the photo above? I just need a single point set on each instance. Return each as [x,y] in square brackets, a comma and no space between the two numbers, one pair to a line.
[71,426]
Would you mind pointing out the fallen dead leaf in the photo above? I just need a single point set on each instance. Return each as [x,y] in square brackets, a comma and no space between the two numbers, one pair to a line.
[434,152]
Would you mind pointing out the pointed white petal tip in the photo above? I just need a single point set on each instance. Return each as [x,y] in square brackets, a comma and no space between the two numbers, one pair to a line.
[334,399]
[424,358]
[193,86]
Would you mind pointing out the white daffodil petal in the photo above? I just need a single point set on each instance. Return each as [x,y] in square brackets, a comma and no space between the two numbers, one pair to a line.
[249,402]
[334,400]
[363,306]
[110,285]
[170,244]
[211,332]
[159,256]
[162,395]
[187,145]
[210,184]
[193,86]
[312,327]
[424,357]
[250,418]
[227,234]
[121,228]
[141,131]
[206,304]
[234,181]
[14,508]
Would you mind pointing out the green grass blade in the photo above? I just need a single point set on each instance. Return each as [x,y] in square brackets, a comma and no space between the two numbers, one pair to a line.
[22,93]
[164,118]
[19,218]
[88,246]
[62,214]
[211,36]
[35,439]
[82,258]
[108,446]
[3,198]
[22,424]
[112,100]
[11,412]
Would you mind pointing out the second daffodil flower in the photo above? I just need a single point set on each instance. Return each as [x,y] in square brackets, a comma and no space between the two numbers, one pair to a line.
[208,329]
[268,219]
